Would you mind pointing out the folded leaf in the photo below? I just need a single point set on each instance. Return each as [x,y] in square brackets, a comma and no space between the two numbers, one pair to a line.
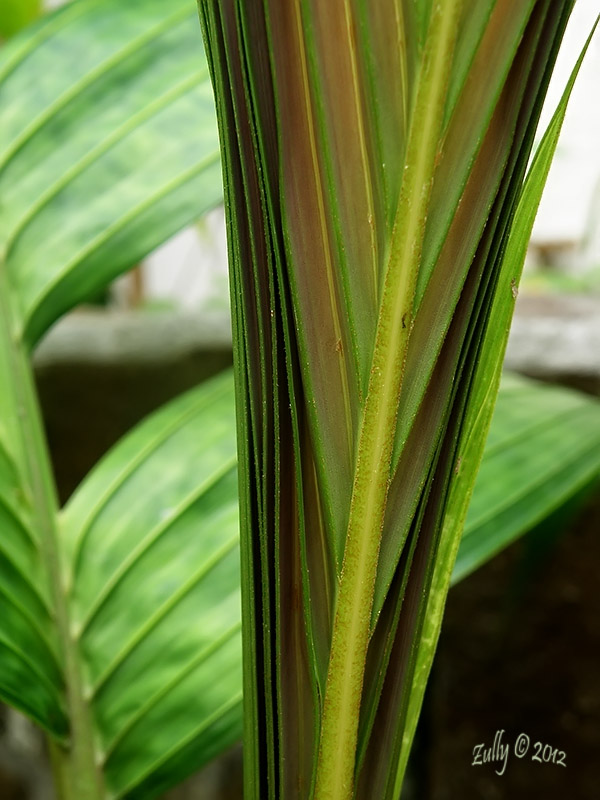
[372,190]
[491,346]
[109,142]
[543,449]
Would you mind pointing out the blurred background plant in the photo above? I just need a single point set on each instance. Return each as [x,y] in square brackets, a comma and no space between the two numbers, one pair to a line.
[101,369]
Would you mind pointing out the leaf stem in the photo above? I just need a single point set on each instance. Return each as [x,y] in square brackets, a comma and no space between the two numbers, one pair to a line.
[74,763]
[339,730]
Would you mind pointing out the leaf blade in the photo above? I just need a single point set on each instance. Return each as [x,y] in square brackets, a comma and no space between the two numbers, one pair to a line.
[100,151]
[155,580]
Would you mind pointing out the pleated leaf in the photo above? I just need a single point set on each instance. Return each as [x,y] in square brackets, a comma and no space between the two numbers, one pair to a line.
[107,146]
[374,158]
[479,408]
[155,726]
[543,449]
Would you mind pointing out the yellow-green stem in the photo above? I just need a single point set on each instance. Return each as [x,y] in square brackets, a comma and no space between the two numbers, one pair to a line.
[339,727]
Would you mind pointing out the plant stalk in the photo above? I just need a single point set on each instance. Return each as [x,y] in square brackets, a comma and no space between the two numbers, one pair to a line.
[350,637]
[75,767]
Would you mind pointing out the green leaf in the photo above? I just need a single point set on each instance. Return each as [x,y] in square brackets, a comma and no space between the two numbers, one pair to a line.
[371,194]
[120,616]
[16,14]
[542,450]
[152,562]
[480,405]
[94,171]
[31,662]
[108,146]
[152,574]
[39,670]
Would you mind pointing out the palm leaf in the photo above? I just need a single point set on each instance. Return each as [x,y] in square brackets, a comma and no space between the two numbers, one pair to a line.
[144,587]
[372,190]
[108,146]
[151,547]
[542,451]
[81,619]
[31,666]
[120,629]
[491,346]
[91,178]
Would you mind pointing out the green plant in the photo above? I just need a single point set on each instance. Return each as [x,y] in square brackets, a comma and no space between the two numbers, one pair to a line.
[16,14]
[119,623]
[378,214]
[88,184]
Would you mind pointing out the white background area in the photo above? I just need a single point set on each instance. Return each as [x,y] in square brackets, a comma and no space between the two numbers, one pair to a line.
[570,207]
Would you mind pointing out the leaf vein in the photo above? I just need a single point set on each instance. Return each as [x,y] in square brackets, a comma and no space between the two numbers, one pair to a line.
[160,614]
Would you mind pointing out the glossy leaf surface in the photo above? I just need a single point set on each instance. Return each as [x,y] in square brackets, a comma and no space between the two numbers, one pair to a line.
[151,547]
[145,558]
[111,149]
[108,146]
[480,405]
[543,449]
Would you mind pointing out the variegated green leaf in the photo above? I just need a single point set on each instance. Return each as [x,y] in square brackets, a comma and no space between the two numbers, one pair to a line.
[108,145]
[152,563]
[316,144]
[542,450]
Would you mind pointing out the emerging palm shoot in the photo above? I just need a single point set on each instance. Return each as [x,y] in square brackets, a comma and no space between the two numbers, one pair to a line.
[374,158]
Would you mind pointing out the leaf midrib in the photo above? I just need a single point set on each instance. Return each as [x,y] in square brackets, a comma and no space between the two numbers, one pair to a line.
[45,506]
